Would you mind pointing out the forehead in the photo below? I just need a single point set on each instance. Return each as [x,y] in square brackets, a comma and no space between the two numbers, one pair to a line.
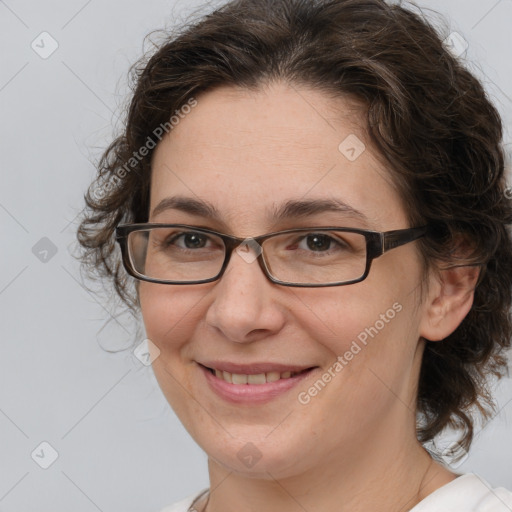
[246,152]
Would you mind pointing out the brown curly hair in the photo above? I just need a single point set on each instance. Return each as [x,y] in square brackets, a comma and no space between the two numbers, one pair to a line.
[427,115]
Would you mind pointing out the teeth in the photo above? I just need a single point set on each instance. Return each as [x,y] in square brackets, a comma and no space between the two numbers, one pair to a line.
[273,376]
[255,379]
[237,378]
[260,378]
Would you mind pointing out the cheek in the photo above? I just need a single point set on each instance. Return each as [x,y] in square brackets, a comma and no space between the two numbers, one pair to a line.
[155,307]
[340,316]
[170,314]
[370,332]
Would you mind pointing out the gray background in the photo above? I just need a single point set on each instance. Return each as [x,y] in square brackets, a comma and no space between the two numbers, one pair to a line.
[120,447]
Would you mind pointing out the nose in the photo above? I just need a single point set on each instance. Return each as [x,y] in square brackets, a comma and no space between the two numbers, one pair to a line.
[244,306]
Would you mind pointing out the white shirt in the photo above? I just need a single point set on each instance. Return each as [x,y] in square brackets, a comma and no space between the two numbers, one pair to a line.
[467,493]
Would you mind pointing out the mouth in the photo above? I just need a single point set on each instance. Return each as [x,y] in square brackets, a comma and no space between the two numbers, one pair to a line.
[254,384]
[255,378]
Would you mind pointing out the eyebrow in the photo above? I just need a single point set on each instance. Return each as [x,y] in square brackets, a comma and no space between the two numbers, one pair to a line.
[289,209]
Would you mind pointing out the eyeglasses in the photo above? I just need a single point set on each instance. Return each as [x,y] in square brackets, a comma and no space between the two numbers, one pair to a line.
[303,257]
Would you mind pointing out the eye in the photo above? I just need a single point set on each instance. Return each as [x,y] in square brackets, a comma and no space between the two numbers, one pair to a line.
[317,242]
[321,242]
[190,240]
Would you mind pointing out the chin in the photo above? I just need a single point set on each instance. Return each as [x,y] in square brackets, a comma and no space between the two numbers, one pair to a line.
[261,459]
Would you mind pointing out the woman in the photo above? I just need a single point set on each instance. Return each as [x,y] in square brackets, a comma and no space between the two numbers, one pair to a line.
[313,365]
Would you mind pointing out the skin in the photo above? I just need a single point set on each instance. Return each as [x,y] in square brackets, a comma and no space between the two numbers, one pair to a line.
[353,446]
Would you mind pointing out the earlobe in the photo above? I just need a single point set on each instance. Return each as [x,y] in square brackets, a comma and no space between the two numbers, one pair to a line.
[449,300]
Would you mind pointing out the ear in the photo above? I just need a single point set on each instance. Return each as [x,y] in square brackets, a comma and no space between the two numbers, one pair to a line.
[449,299]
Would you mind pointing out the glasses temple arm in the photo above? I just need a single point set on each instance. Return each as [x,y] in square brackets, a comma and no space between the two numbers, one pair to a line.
[398,237]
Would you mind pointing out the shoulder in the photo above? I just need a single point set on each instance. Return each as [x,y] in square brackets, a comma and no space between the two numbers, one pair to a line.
[467,493]
[184,504]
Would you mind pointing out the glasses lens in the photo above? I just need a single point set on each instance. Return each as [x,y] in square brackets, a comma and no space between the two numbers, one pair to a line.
[316,256]
[175,254]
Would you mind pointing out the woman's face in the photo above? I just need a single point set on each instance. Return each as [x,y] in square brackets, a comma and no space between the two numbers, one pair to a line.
[247,154]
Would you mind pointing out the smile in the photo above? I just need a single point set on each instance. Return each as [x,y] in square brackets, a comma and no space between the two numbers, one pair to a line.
[252,388]
[258,378]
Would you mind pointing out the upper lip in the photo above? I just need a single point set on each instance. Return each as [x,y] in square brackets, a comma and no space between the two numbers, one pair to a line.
[253,368]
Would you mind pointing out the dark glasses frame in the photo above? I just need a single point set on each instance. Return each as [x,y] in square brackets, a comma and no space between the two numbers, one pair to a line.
[377,243]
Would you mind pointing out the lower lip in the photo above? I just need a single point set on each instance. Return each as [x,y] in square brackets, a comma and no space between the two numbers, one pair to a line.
[252,393]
